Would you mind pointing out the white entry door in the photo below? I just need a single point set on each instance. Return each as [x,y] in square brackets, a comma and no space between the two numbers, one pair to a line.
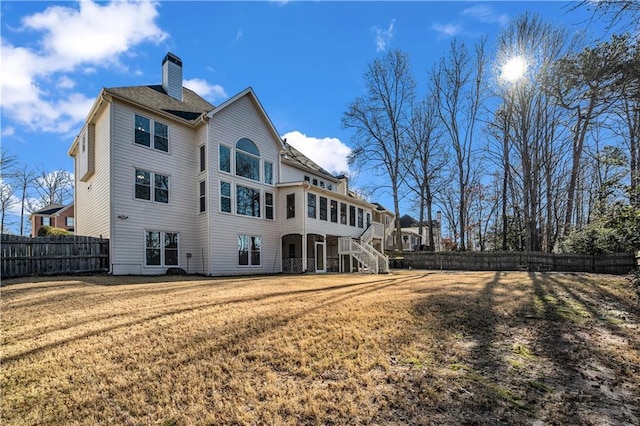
[320,263]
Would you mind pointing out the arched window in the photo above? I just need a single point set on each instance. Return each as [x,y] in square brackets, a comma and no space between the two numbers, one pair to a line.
[247,159]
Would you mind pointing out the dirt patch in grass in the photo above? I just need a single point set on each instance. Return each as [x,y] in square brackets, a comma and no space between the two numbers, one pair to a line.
[409,348]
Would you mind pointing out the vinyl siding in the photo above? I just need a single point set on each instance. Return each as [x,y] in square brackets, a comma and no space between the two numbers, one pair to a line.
[201,257]
[238,120]
[293,174]
[137,216]
[294,225]
[92,203]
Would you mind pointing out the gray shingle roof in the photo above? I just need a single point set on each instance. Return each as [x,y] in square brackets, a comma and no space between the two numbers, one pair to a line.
[298,157]
[50,209]
[154,97]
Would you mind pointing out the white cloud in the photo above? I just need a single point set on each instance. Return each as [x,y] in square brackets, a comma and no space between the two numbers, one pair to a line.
[329,153]
[238,36]
[212,92]
[72,39]
[447,30]
[8,131]
[485,13]
[383,37]
[65,82]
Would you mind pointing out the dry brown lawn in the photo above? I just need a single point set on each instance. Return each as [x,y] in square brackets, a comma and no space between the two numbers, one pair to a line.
[409,348]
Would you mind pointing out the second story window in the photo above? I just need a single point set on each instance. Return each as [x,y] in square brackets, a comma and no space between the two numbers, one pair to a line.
[360,218]
[225,197]
[311,205]
[247,201]
[291,206]
[268,205]
[247,160]
[147,130]
[323,208]
[334,211]
[343,214]
[352,216]
[143,185]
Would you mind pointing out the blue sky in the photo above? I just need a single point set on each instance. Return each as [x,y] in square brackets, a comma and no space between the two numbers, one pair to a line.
[305,60]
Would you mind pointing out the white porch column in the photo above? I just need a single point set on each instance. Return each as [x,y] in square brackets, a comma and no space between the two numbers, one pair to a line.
[304,252]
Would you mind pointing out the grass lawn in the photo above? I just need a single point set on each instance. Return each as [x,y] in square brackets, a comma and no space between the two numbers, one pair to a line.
[410,348]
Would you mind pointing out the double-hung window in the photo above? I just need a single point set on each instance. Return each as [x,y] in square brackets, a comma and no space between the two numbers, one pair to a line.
[334,211]
[203,158]
[323,208]
[360,218]
[143,185]
[161,248]
[352,215]
[343,214]
[203,195]
[249,250]
[291,206]
[268,205]
[311,205]
[147,130]
[225,197]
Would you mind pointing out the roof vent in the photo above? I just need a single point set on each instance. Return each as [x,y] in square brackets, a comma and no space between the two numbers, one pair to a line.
[172,76]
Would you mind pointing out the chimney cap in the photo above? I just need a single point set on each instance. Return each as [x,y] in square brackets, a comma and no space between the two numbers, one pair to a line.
[173,58]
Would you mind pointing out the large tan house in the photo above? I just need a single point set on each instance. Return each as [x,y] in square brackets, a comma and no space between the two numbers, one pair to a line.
[174,181]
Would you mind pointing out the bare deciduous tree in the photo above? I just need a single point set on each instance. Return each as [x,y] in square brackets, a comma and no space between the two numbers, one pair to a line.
[24,179]
[426,159]
[380,120]
[53,187]
[458,87]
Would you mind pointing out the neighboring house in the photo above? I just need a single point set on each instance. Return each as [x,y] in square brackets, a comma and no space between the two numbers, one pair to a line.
[413,240]
[174,181]
[54,215]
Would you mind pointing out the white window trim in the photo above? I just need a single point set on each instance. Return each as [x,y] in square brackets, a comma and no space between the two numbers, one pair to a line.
[232,165]
[273,204]
[144,245]
[206,163]
[234,207]
[237,251]
[231,191]
[152,132]
[200,196]
[153,183]
[273,173]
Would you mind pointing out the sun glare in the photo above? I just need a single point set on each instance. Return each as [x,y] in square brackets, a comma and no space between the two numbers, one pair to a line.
[514,69]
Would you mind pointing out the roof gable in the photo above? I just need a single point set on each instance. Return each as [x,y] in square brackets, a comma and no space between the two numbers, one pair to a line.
[254,99]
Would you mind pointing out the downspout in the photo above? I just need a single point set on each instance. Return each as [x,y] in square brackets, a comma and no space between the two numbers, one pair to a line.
[111,173]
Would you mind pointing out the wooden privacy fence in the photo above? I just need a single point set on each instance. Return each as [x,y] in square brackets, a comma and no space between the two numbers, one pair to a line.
[615,263]
[23,256]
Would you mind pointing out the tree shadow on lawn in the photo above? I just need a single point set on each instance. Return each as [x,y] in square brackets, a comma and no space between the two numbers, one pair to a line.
[210,343]
[329,296]
[519,352]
